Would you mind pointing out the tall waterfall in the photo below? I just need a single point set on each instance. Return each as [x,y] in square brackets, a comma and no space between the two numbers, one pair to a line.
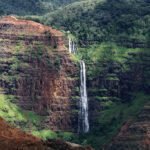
[83,119]
[83,125]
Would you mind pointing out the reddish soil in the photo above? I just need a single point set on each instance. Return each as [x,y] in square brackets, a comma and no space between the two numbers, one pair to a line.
[30,26]
[14,139]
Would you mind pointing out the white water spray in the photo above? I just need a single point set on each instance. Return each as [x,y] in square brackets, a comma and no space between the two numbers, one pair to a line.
[72,46]
[83,125]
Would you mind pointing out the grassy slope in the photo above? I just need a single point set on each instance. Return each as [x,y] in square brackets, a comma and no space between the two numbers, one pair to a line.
[15,115]
[27,120]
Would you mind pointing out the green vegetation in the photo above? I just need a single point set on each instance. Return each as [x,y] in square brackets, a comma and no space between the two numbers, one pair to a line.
[39,54]
[102,56]
[114,37]
[45,134]
[30,7]
[23,7]
[15,115]
[26,120]
[112,119]
[107,20]
[106,51]
[102,61]
[91,21]
[48,134]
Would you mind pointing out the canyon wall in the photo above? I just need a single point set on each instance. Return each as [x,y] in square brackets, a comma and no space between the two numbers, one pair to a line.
[116,82]
[36,68]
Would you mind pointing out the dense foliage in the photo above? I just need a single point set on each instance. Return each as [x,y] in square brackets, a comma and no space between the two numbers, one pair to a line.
[115,64]
[126,22]
[30,7]
[20,7]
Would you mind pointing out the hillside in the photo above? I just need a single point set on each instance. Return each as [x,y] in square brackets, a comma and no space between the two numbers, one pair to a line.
[90,21]
[34,64]
[30,7]
[53,93]
[125,22]
[20,7]
[13,139]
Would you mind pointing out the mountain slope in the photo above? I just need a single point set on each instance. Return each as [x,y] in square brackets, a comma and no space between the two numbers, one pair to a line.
[30,7]
[20,7]
[117,67]
[125,21]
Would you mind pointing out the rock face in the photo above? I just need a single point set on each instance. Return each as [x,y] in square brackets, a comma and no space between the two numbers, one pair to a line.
[117,81]
[103,89]
[14,139]
[35,66]
[134,135]
[12,28]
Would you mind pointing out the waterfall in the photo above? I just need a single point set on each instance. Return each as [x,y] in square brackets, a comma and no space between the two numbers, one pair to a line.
[83,118]
[72,46]
[83,125]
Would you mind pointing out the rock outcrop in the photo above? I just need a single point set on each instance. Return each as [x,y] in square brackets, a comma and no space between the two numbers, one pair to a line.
[35,66]
[13,28]
[134,135]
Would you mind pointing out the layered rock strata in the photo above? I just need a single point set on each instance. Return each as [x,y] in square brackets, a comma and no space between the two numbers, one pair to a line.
[134,135]
[116,82]
[36,68]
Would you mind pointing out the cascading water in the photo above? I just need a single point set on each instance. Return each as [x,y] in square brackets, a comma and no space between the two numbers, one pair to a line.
[83,119]
[83,125]
[72,46]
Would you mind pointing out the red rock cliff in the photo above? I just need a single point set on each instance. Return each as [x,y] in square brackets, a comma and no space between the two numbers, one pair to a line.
[12,28]
[39,71]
